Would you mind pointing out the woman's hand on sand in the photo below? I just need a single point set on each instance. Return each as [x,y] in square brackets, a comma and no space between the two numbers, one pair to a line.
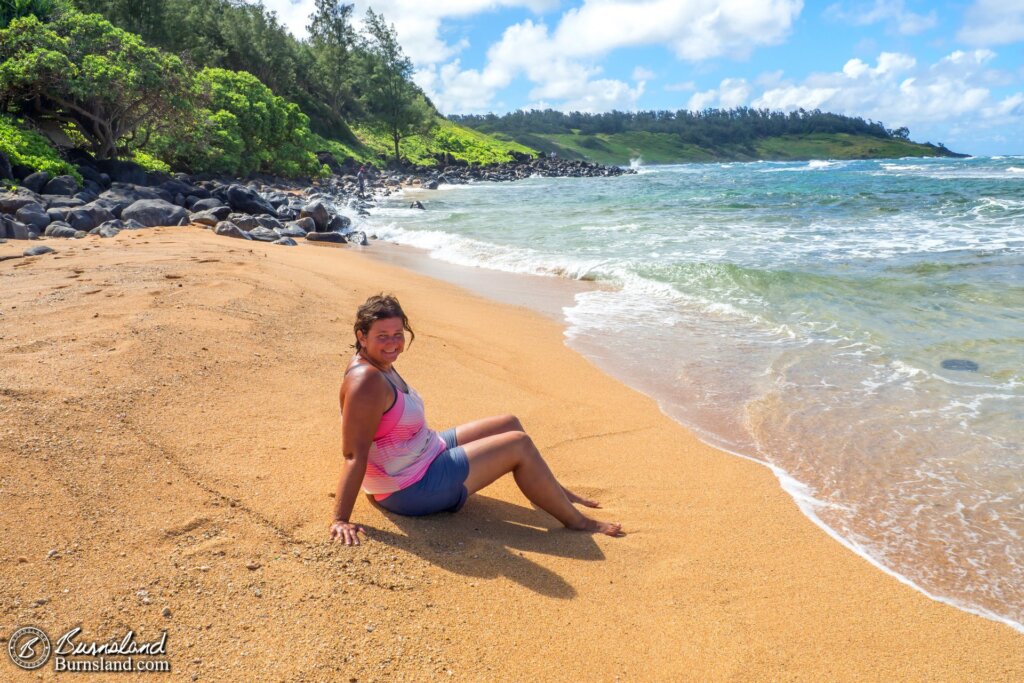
[346,532]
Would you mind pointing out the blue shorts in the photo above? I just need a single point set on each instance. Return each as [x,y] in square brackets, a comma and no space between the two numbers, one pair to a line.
[442,488]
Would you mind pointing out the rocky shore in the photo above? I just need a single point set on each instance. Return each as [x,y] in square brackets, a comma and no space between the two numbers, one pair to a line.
[121,195]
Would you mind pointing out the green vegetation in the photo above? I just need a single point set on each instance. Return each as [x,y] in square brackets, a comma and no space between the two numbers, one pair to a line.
[80,70]
[714,134]
[666,148]
[241,127]
[31,149]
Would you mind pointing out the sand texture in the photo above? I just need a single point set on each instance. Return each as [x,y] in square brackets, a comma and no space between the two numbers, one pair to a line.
[169,426]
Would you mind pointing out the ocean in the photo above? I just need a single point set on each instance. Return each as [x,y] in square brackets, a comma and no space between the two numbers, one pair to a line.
[858,326]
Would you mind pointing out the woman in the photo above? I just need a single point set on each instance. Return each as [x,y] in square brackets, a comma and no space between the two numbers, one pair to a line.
[412,470]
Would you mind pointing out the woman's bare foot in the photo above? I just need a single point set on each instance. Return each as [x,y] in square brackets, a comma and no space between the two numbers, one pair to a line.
[594,526]
[580,500]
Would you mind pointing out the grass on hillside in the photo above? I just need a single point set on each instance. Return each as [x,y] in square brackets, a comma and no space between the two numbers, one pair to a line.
[662,148]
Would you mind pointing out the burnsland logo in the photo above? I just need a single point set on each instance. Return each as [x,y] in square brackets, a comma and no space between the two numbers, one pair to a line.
[30,648]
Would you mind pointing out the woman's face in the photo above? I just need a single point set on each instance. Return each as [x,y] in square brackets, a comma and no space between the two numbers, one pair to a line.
[384,341]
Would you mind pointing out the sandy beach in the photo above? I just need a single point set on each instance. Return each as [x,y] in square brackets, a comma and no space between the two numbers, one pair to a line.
[169,445]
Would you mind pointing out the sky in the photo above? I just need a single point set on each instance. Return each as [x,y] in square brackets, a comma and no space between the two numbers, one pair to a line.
[952,72]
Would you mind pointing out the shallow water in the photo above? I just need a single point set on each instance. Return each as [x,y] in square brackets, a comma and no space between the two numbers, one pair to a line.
[824,317]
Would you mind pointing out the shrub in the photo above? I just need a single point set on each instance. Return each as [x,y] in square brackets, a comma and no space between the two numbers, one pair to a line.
[32,149]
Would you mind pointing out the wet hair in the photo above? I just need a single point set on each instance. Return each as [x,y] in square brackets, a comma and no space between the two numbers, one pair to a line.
[379,307]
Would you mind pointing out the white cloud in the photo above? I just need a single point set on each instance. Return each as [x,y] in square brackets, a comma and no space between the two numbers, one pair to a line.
[993,22]
[891,12]
[730,93]
[641,73]
[900,92]
[685,86]
[561,63]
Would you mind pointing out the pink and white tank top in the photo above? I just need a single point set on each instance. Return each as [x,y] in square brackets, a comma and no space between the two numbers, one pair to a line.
[403,446]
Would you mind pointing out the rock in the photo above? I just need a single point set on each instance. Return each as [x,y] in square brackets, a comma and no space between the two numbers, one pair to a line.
[210,203]
[286,241]
[99,211]
[243,220]
[33,214]
[326,237]
[109,229]
[246,200]
[208,218]
[339,223]
[38,250]
[55,201]
[269,222]
[229,229]
[121,195]
[262,234]
[10,202]
[60,229]
[62,184]
[15,229]
[417,205]
[307,224]
[291,230]
[123,171]
[358,237]
[89,173]
[318,211]
[80,220]
[176,187]
[166,612]
[431,185]
[36,181]
[154,212]
[132,224]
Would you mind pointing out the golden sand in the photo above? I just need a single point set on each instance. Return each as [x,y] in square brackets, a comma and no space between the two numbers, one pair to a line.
[169,426]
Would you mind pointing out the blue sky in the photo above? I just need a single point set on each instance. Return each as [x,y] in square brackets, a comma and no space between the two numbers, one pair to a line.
[952,72]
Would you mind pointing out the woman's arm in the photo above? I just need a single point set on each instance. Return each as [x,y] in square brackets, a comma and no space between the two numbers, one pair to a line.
[362,397]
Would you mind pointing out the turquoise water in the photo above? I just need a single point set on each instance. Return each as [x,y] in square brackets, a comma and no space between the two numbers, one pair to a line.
[858,325]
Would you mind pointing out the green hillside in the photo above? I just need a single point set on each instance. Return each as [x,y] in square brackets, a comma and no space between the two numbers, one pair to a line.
[664,148]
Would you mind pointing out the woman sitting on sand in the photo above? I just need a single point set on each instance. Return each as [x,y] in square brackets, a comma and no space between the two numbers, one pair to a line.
[412,470]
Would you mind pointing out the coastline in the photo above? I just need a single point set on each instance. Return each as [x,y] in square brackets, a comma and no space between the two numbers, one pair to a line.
[208,347]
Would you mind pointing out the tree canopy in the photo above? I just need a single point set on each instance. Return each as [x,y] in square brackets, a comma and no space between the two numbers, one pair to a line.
[79,70]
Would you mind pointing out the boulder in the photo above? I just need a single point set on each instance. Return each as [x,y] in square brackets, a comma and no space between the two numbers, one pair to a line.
[358,237]
[262,234]
[90,174]
[243,220]
[269,222]
[81,220]
[229,229]
[60,229]
[38,250]
[326,237]
[210,203]
[14,229]
[10,202]
[307,224]
[62,184]
[154,212]
[431,185]
[56,201]
[246,200]
[207,218]
[319,212]
[291,230]
[418,205]
[123,171]
[36,181]
[34,215]
[339,223]
[108,229]
[175,186]
[286,241]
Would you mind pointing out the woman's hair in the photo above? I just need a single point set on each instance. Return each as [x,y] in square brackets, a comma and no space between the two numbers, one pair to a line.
[379,307]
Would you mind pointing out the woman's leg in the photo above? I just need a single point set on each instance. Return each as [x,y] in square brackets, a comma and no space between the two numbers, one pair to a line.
[501,424]
[514,451]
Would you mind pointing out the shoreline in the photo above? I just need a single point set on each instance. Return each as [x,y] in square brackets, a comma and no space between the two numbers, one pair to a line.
[213,347]
[420,261]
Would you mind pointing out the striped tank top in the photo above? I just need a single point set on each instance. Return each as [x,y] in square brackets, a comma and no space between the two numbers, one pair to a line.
[403,446]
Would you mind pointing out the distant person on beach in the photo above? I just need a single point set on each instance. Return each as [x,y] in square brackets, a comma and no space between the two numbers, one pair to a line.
[412,470]
[361,178]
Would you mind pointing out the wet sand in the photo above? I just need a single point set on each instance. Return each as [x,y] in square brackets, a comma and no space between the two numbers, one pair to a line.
[169,426]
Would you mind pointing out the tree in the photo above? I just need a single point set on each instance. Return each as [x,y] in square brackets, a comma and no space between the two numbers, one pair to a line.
[399,107]
[333,40]
[81,71]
